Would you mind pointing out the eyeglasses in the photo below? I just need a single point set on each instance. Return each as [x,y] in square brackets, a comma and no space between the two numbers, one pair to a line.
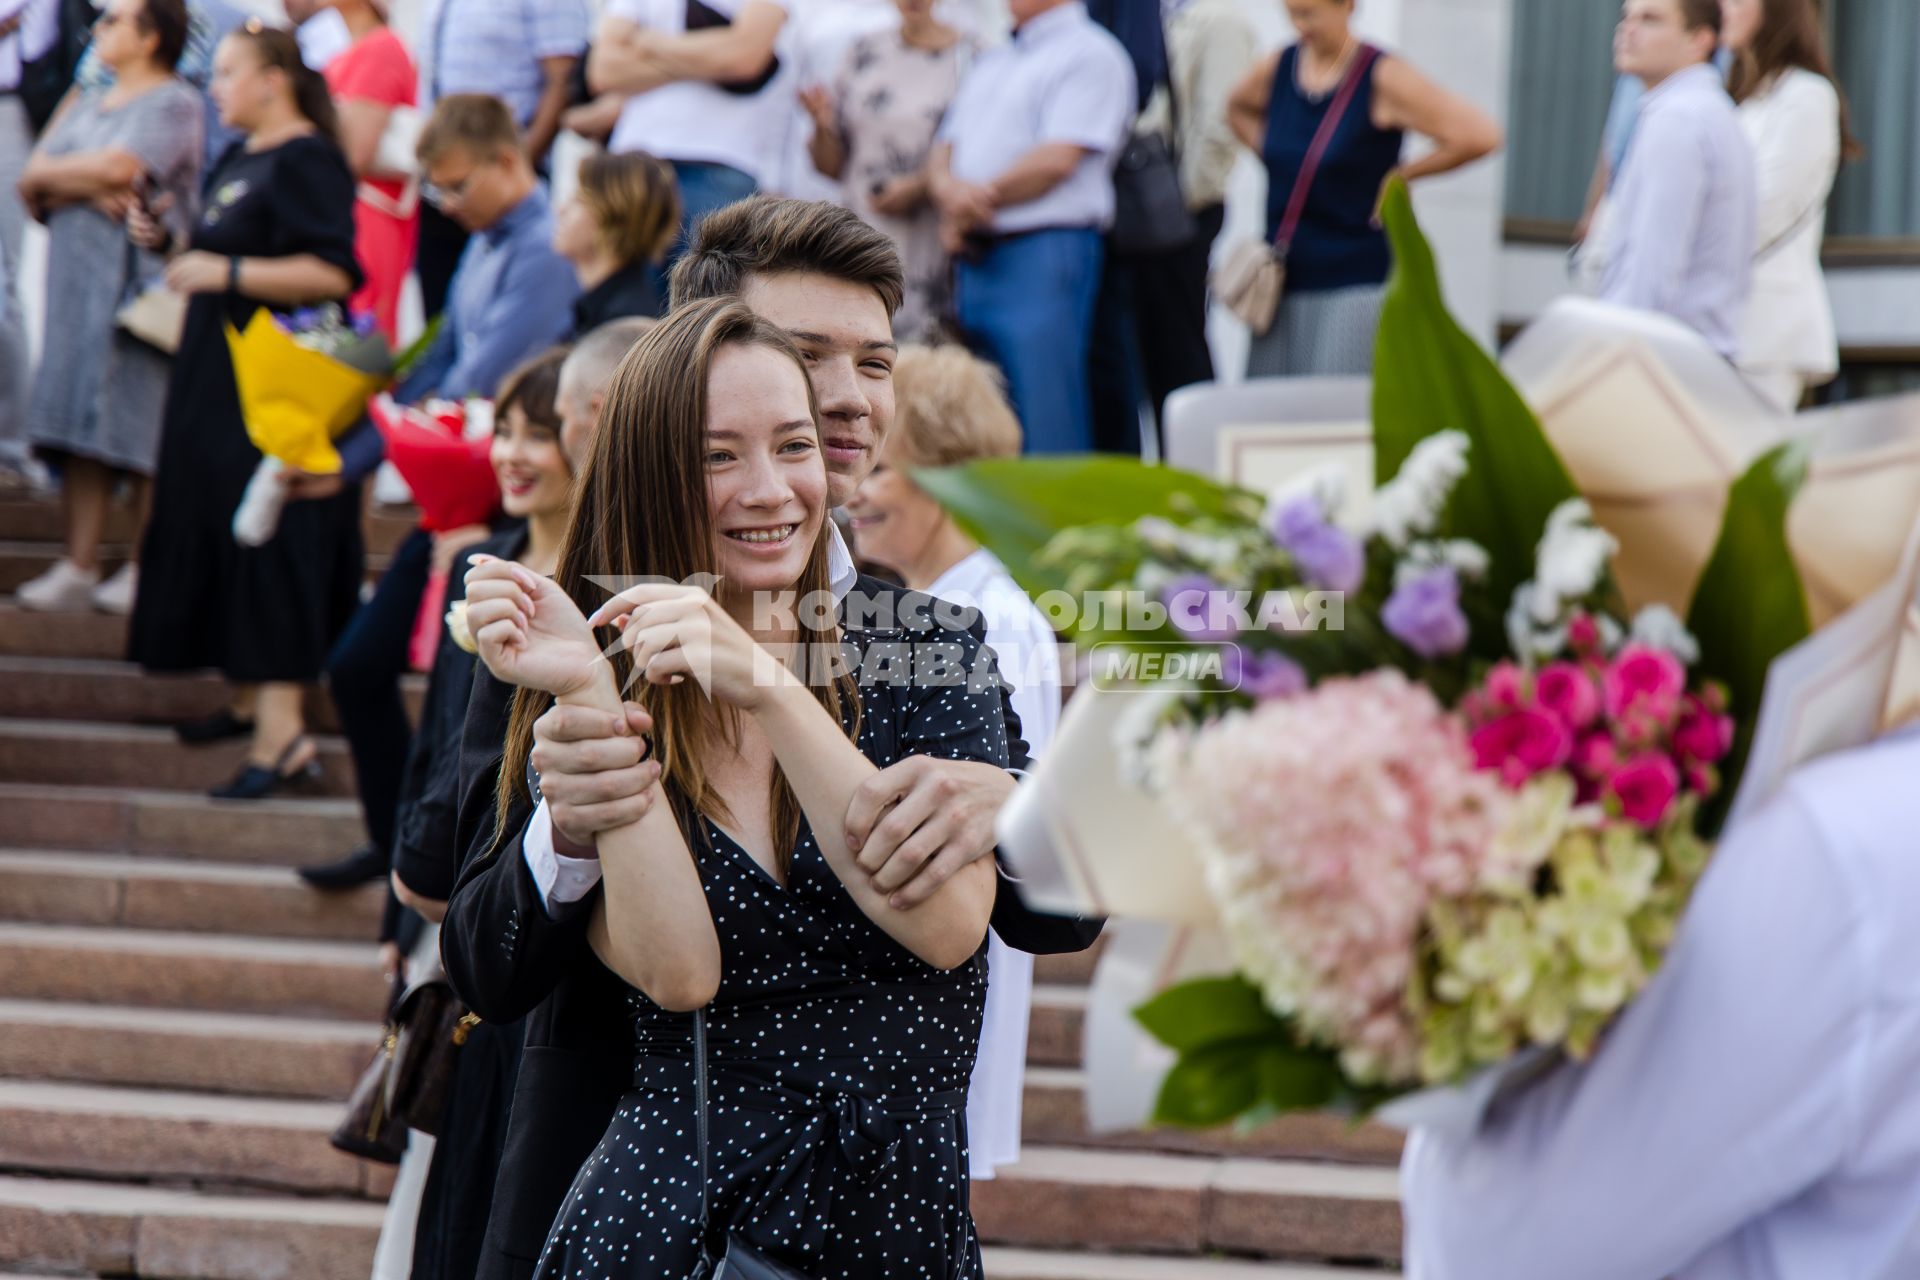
[452,193]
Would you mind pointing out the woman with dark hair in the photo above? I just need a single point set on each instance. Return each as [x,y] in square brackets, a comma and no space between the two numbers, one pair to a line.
[275,230]
[1795,118]
[839,1031]
[616,229]
[96,402]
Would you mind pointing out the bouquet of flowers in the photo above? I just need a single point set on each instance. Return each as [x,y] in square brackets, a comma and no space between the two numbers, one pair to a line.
[443,450]
[303,378]
[1449,796]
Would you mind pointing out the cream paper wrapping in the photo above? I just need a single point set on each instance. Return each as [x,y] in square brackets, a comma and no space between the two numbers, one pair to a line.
[1654,428]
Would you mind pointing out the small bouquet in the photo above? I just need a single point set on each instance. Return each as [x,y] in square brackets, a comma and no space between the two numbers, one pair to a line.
[1448,795]
[303,378]
[443,450]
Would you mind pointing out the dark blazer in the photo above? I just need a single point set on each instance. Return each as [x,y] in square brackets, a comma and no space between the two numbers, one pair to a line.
[509,959]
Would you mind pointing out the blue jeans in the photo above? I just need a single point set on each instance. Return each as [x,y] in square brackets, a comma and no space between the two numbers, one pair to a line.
[1027,305]
[705,187]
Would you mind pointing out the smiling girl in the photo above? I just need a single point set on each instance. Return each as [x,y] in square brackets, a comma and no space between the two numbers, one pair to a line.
[840,1031]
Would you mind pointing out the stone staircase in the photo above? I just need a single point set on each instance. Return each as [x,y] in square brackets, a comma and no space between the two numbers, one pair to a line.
[180,1018]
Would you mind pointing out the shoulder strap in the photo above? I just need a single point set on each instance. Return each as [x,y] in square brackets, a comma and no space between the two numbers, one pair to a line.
[700,1116]
[1363,59]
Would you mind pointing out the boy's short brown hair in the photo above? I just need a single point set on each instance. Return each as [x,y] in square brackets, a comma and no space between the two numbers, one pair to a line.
[768,236]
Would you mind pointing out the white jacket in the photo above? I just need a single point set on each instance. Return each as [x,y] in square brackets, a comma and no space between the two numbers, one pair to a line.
[1794,126]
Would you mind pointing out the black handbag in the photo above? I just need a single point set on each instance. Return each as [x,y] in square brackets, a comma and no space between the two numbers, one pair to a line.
[407,1084]
[1150,213]
[739,1260]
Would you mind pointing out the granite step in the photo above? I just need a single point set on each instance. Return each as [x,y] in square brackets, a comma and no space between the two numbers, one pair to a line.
[68,887]
[156,1232]
[151,1135]
[1059,1198]
[39,519]
[91,689]
[23,561]
[79,753]
[278,832]
[193,1049]
[1054,1033]
[226,973]
[1056,1264]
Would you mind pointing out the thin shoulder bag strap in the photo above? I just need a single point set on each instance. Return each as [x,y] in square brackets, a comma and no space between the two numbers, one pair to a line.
[700,1120]
[1322,139]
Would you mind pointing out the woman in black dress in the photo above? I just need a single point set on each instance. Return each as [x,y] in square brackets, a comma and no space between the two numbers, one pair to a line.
[275,230]
[840,1031]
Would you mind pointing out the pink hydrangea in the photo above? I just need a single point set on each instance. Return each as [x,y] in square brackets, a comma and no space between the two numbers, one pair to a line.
[1331,820]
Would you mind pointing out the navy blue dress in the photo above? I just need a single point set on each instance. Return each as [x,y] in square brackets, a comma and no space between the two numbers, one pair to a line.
[838,1060]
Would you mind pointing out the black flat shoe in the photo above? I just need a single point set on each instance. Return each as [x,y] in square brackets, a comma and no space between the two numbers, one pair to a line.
[218,727]
[363,866]
[255,782]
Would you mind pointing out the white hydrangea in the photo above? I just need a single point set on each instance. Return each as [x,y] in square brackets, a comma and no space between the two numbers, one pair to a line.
[1660,628]
[1410,504]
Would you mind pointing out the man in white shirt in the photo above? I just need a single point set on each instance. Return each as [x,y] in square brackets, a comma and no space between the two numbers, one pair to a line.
[1022,175]
[1753,1115]
[1680,218]
[699,80]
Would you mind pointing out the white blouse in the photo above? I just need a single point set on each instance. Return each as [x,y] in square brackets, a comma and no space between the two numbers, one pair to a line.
[1755,1114]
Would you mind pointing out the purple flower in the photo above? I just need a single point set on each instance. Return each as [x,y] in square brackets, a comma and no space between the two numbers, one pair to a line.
[364,323]
[1424,613]
[1199,608]
[1328,556]
[1261,673]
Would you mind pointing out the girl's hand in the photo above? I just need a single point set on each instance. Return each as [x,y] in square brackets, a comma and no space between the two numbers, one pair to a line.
[530,633]
[674,632]
[449,543]
[197,271]
[818,100]
[144,226]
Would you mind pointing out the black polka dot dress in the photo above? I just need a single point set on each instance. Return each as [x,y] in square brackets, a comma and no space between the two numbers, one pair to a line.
[838,1061]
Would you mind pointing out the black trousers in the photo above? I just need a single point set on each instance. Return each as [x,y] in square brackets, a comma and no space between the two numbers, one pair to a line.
[442,241]
[1150,334]
[363,676]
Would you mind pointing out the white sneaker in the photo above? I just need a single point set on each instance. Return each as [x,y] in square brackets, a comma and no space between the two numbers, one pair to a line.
[65,588]
[115,595]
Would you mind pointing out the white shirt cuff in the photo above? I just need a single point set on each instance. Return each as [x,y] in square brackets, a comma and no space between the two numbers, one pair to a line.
[561,880]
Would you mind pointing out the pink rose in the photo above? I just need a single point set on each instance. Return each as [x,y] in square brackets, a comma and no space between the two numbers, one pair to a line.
[1506,687]
[1645,679]
[1583,633]
[1566,690]
[1595,755]
[1644,787]
[1702,779]
[1521,744]
[1702,736]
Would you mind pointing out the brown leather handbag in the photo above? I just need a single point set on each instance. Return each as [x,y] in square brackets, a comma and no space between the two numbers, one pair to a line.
[406,1084]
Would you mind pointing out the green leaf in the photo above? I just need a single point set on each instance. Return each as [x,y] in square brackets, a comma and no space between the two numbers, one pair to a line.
[1209,1087]
[1430,376]
[1203,1012]
[1749,606]
[1012,506]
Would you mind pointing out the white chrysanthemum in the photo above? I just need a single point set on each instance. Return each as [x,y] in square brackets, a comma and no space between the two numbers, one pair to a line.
[1468,560]
[1326,485]
[1572,557]
[1410,504]
[457,626]
[1659,627]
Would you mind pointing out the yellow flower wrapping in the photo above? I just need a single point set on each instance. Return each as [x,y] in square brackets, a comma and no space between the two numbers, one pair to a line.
[295,400]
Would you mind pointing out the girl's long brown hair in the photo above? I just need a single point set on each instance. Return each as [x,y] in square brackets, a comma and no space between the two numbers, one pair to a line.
[640,511]
[1790,35]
